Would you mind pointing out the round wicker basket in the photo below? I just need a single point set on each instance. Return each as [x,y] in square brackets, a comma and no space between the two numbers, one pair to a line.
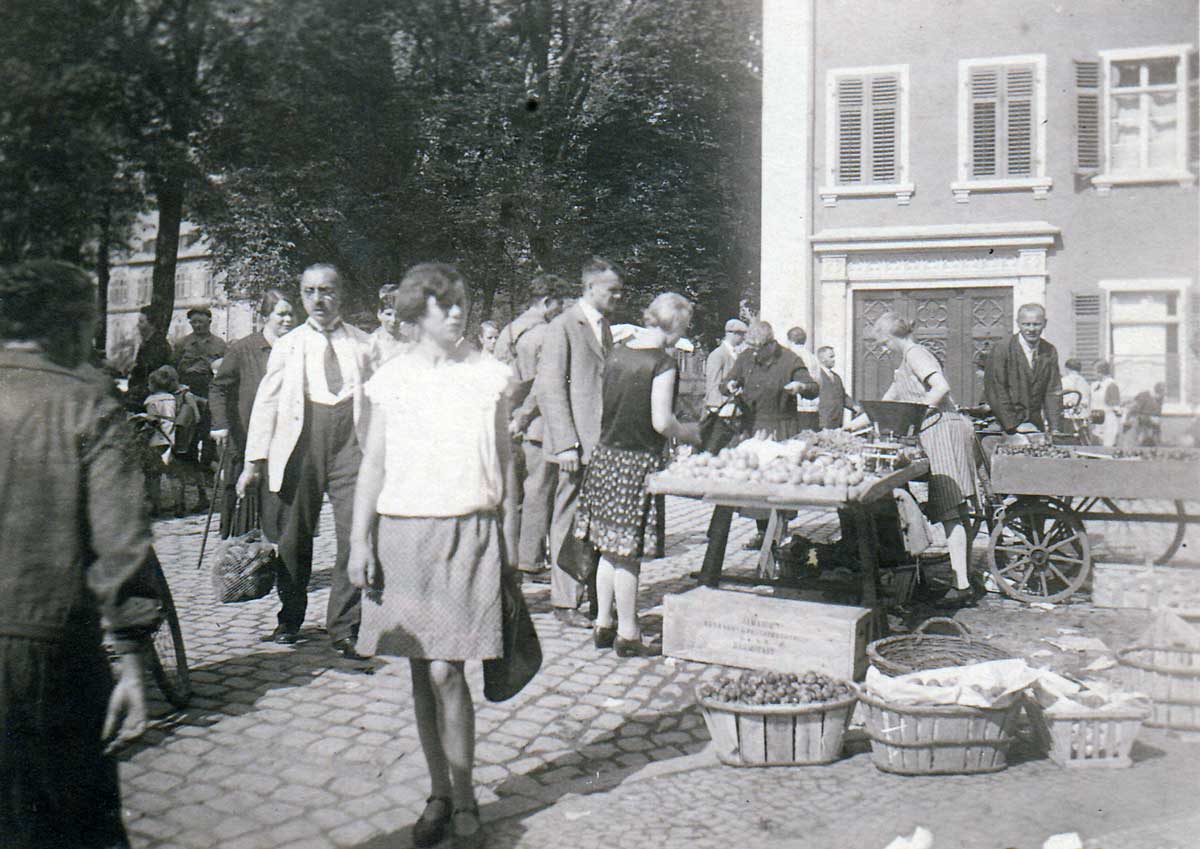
[919,650]
[777,735]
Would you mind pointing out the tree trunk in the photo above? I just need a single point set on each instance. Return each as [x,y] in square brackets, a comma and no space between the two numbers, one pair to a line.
[169,193]
[103,269]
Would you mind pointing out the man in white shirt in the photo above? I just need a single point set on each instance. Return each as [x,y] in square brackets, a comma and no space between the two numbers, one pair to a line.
[808,407]
[304,435]
[570,377]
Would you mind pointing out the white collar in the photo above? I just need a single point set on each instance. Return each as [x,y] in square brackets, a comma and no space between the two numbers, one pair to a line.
[590,313]
[334,328]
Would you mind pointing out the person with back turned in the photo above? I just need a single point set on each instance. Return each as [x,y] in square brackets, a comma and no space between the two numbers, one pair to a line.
[74,546]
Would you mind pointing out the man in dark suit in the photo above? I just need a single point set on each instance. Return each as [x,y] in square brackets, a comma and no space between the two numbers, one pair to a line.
[1022,383]
[568,388]
[833,399]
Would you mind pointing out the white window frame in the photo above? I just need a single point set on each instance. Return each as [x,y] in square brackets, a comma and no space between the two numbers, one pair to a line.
[1178,174]
[902,188]
[1038,183]
[1179,285]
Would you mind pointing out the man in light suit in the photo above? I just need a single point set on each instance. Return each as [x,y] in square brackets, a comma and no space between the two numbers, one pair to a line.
[306,427]
[568,385]
[1022,382]
[720,363]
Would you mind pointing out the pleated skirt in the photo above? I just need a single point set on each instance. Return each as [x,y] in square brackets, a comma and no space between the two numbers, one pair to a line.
[440,593]
[948,440]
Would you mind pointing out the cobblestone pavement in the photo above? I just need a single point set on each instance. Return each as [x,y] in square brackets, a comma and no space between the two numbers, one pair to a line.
[294,747]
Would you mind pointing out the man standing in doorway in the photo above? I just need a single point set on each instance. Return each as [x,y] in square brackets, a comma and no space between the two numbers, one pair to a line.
[568,386]
[833,400]
[1022,382]
[305,435]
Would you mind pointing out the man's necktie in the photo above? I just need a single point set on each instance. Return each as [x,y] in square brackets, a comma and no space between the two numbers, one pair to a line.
[606,339]
[333,369]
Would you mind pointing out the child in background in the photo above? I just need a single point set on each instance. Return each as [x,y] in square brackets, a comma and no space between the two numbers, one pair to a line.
[173,445]
[392,336]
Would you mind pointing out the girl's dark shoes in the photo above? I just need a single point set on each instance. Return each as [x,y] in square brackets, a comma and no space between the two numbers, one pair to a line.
[604,637]
[956,598]
[467,828]
[432,826]
[629,648]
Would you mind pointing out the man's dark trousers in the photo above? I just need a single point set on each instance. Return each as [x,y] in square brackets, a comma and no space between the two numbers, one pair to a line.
[325,460]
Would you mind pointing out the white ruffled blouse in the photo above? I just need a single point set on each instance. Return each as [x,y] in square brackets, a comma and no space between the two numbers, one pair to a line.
[440,419]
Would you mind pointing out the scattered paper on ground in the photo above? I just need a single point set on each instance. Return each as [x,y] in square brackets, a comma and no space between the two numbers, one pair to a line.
[1074,642]
[921,838]
[1066,840]
[1100,664]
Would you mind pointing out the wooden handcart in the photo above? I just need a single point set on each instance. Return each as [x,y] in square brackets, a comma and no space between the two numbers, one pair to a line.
[780,499]
[1039,549]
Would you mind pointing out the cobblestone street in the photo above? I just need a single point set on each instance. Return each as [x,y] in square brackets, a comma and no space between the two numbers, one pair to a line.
[294,747]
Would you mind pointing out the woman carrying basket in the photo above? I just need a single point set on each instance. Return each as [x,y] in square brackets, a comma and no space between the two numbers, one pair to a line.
[947,438]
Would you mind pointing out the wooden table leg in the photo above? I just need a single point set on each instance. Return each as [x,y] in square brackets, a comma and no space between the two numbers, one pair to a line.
[660,526]
[718,539]
[767,567]
[868,555]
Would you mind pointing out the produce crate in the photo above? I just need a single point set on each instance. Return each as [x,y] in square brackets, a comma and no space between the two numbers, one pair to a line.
[777,735]
[1146,586]
[938,739]
[1170,676]
[1095,738]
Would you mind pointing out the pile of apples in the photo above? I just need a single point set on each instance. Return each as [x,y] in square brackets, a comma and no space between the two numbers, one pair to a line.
[758,460]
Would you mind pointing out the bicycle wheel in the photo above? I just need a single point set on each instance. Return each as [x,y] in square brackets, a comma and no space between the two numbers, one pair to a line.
[166,657]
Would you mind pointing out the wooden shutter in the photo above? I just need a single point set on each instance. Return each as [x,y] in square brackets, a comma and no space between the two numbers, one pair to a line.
[868,129]
[1193,110]
[851,104]
[1088,343]
[984,90]
[885,128]
[1018,136]
[1088,156]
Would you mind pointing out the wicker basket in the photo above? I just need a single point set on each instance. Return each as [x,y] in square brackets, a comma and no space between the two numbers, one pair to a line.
[938,739]
[777,735]
[1171,677]
[919,650]
[1099,738]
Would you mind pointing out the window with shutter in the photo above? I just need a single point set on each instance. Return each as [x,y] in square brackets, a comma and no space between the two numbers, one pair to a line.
[1001,131]
[1193,112]
[1088,336]
[1144,131]
[1087,117]
[866,148]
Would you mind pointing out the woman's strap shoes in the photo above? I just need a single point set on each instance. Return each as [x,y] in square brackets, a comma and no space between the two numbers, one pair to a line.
[431,827]
[631,648]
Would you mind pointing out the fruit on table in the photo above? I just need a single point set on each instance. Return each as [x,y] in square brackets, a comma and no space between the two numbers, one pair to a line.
[775,688]
[1043,450]
[793,462]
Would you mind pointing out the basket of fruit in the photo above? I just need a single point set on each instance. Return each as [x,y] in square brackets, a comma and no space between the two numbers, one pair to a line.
[776,719]
[920,650]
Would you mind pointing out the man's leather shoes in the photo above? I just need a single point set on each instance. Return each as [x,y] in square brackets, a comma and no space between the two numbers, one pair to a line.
[572,618]
[283,635]
[345,647]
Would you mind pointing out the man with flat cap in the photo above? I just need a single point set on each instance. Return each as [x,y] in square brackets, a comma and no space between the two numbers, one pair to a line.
[197,352]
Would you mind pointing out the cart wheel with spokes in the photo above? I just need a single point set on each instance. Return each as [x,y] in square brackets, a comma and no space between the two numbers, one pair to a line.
[166,657]
[1039,550]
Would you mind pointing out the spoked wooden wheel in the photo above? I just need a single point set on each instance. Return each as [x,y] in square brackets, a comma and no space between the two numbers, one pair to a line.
[1039,551]
[1136,530]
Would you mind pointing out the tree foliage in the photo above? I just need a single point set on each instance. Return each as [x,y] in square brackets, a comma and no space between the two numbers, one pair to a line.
[508,137]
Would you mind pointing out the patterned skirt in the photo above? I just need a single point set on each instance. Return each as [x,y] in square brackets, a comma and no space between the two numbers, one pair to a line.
[614,507]
[948,439]
[440,596]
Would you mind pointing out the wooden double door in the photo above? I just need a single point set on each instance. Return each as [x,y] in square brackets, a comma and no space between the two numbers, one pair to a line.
[959,325]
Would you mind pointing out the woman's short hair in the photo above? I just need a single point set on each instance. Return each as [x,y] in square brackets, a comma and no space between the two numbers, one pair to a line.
[164,379]
[1103,368]
[269,300]
[670,312]
[1073,364]
[438,280]
[488,324]
[760,333]
[384,291]
[891,324]
[43,299]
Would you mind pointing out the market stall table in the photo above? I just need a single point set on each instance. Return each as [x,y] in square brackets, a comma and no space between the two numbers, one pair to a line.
[726,496]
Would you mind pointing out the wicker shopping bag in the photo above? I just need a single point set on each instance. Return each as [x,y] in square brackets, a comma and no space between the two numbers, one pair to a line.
[245,567]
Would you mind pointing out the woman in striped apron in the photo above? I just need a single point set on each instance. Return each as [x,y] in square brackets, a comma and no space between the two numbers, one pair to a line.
[947,438]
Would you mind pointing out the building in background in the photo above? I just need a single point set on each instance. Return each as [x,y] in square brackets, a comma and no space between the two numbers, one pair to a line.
[196,284]
[951,161]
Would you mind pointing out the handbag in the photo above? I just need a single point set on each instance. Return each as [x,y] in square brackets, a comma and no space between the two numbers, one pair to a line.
[244,569]
[507,675]
[719,425]
[578,557]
